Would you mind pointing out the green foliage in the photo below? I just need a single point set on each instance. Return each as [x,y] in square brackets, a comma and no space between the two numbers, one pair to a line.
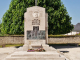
[10,35]
[61,36]
[12,45]
[59,22]
[78,34]
[0,27]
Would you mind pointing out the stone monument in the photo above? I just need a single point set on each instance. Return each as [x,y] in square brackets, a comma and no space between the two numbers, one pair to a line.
[35,27]
[35,36]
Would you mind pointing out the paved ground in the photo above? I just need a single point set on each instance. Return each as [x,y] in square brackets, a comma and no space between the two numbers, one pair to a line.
[73,53]
[6,51]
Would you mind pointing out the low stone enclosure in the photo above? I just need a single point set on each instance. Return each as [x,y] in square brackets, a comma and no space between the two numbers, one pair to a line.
[51,40]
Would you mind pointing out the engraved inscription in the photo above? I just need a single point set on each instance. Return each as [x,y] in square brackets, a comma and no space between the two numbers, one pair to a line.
[35,22]
[35,34]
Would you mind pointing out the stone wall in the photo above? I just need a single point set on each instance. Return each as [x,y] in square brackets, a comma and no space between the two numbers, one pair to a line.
[66,40]
[11,40]
[54,40]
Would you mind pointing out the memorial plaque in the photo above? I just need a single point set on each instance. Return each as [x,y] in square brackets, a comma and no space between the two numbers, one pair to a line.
[35,34]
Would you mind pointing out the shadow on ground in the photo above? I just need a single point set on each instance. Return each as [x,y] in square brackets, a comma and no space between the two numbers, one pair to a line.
[59,46]
[18,46]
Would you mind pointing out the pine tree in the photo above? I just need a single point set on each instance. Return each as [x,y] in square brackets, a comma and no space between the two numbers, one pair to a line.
[59,21]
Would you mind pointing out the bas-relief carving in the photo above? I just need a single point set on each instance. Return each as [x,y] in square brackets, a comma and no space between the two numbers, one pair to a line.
[35,14]
[35,34]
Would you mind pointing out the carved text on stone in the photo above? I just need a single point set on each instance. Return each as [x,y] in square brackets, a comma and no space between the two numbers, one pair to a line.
[35,22]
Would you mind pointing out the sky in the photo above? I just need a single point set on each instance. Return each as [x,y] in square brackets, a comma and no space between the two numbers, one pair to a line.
[72,6]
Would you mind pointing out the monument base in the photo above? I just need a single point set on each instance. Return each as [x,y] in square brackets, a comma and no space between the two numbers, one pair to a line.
[22,54]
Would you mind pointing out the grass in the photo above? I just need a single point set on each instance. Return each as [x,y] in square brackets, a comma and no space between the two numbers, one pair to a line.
[16,45]
[62,36]
[78,34]
[0,46]
[12,45]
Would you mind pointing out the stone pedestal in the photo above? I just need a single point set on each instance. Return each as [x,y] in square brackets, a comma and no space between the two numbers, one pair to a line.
[49,54]
[35,36]
[23,55]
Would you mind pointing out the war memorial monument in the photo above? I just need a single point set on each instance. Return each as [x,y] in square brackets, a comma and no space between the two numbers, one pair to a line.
[35,38]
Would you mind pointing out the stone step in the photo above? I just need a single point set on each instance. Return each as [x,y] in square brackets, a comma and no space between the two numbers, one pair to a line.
[34,54]
[47,45]
[35,58]
[19,49]
[49,56]
[51,49]
[47,48]
[23,55]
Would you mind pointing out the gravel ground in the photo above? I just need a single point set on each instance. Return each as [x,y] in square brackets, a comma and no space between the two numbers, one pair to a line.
[71,52]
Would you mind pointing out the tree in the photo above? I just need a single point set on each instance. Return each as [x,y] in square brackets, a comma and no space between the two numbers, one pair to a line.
[59,22]
[0,27]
